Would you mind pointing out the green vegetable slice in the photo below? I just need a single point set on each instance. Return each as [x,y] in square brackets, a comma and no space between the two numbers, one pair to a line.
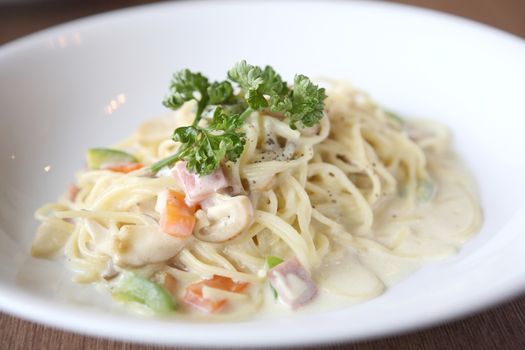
[426,190]
[135,288]
[273,261]
[394,116]
[98,157]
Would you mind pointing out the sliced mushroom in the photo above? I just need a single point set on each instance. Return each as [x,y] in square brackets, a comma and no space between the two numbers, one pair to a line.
[109,272]
[138,245]
[101,239]
[232,175]
[223,218]
[51,235]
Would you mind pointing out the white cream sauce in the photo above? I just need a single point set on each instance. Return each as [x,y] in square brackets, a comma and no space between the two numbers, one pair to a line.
[402,239]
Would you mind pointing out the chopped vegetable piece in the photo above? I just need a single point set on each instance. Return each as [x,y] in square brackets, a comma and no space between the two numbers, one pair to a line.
[293,283]
[426,189]
[177,218]
[393,116]
[273,261]
[124,168]
[133,287]
[195,298]
[198,187]
[225,283]
[98,158]
[170,283]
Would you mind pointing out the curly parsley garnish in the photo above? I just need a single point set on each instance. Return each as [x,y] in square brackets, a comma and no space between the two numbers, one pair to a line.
[224,111]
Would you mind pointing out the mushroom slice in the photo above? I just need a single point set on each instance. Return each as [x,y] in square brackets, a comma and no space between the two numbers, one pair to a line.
[51,235]
[222,218]
[101,240]
[137,245]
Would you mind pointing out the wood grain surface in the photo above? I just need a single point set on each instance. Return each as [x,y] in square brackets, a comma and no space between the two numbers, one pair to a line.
[501,327]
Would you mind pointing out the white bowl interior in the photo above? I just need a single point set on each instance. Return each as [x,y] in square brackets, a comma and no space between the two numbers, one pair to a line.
[56,86]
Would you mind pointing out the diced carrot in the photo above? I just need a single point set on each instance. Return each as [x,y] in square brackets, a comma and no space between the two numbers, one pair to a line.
[194,296]
[170,283]
[124,168]
[177,219]
[225,283]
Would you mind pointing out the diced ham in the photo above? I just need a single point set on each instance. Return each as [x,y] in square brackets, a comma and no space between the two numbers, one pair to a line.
[292,283]
[72,192]
[197,187]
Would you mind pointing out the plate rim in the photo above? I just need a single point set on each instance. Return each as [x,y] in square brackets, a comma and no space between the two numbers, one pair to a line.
[35,308]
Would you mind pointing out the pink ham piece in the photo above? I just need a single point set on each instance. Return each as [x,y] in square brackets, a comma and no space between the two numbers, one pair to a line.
[292,283]
[198,187]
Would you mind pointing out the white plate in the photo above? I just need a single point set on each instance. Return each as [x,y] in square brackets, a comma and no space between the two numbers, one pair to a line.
[56,86]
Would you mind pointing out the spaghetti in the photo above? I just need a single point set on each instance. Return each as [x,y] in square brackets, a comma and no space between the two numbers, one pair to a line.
[358,200]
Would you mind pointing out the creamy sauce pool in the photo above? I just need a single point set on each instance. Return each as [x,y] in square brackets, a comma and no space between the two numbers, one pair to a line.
[404,237]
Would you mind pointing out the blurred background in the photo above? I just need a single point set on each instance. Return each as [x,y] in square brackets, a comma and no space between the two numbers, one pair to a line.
[21,17]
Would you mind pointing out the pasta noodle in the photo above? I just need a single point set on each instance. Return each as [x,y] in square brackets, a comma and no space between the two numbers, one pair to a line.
[362,192]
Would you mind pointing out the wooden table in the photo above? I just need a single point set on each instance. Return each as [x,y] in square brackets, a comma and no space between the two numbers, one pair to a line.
[501,327]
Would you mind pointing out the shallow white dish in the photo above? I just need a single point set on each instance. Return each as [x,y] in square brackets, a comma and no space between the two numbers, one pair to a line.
[57,88]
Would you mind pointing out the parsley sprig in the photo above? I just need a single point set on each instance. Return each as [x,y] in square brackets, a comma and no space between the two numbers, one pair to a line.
[204,147]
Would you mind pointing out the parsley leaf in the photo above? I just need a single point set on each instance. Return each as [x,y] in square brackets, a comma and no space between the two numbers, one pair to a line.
[247,76]
[222,121]
[273,84]
[306,103]
[204,148]
[220,92]
[199,148]
[185,86]
[250,79]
